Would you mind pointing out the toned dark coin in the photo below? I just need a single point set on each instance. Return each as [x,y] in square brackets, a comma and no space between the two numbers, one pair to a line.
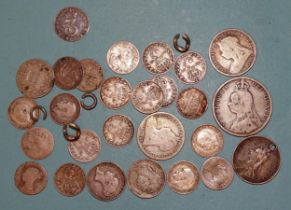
[106,181]
[68,73]
[69,179]
[64,108]
[37,143]
[169,88]
[256,160]
[115,92]
[19,112]
[30,178]
[146,178]
[71,24]
[118,130]
[35,78]
[242,106]
[232,52]
[92,75]
[192,103]
[183,177]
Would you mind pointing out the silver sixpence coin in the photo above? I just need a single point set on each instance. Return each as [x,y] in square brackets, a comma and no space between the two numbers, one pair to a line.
[169,88]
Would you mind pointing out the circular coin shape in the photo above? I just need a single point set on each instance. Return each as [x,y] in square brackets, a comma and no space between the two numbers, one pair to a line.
[68,73]
[147,97]
[30,178]
[190,67]
[106,181]
[160,136]
[217,173]
[158,57]
[192,103]
[122,57]
[146,178]
[92,75]
[37,143]
[169,88]
[35,78]
[207,140]
[242,106]
[115,92]
[256,160]
[232,52]
[183,177]
[118,130]
[86,148]
[69,179]
[64,108]
[71,24]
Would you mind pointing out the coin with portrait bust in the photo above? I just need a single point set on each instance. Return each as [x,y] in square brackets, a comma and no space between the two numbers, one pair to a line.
[169,88]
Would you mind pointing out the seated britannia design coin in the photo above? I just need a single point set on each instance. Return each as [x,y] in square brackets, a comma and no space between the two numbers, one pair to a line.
[242,106]
[169,88]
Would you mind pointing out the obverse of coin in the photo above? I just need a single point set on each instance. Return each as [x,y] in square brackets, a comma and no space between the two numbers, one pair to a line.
[216,173]
[146,178]
[37,143]
[183,177]
[92,75]
[64,108]
[30,178]
[35,78]
[190,67]
[232,52]
[19,112]
[242,106]
[147,97]
[118,130]
[192,103]
[68,73]
[207,140]
[71,24]
[122,57]
[256,160]
[169,88]
[106,181]
[158,57]
[160,136]
[69,179]
[87,148]
[115,92]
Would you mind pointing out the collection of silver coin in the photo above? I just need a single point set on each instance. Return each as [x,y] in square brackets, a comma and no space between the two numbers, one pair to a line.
[242,106]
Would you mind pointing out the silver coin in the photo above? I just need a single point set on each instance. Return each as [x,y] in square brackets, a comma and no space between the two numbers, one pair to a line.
[169,88]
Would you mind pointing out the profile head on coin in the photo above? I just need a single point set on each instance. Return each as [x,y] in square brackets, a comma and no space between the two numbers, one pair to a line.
[169,88]
[232,52]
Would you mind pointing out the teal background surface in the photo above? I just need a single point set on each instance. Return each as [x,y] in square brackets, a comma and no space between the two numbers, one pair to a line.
[27,32]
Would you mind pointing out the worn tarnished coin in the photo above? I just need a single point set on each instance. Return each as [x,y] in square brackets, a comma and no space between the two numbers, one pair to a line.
[30,178]
[71,24]
[256,160]
[106,181]
[158,57]
[115,92]
[207,140]
[216,173]
[92,75]
[242,106]
[64,108]
[122,57]
[160,136]
[35,78]
[147,97]
[192,103]
[169,88]
[87,148]
[118,130]
[183,177]
[69,179]
[19,112]
[232,52]
[190,67]
[37,143]
[68,73]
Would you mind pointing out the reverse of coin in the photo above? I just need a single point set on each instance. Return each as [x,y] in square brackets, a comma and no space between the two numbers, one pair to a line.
[169,88]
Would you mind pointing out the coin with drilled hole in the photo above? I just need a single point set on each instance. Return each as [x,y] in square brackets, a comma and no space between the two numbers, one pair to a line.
[169,88]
